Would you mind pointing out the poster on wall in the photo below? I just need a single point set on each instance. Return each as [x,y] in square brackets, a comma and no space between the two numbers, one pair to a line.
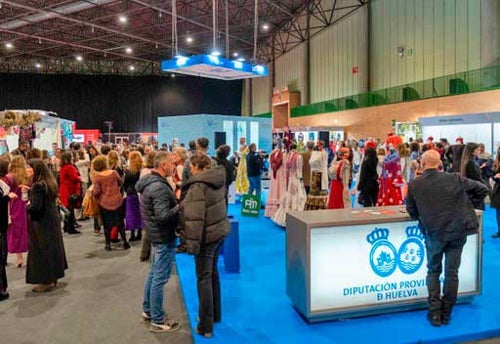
[409,130]
[386,264]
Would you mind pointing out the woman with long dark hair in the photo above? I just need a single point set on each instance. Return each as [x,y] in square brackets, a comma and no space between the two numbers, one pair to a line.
[368,178]
[46,256]
[469,168]
[133,219]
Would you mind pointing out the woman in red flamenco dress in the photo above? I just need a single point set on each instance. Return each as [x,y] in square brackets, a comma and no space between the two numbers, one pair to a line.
[391,180]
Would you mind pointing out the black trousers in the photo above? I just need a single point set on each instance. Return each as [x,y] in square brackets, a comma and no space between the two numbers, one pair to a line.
[208,284]
[3,262]
[113,218]
[452,252]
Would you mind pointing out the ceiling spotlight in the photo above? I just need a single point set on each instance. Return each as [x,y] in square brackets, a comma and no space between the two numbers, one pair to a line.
[131,68]
[128,50]
[215,53]
[172,75]
[38,66]
[189,39]
[79,58]
[122,19]
[9,45]
[235,54]
[265,26]
[39,41]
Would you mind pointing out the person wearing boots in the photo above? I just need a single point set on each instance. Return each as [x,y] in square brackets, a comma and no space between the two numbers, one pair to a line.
[69,188]
[440,202]
[107,185]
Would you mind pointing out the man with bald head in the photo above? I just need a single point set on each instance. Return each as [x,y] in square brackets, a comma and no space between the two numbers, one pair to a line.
[440,202]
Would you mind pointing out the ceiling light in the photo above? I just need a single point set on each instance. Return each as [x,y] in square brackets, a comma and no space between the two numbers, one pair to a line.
[122,19]
[79,58]
[172,75]
[265,26]
[131,68]
[38,66]
[235,54]
[128,50]
[9,45]
[189,39]
[215,53]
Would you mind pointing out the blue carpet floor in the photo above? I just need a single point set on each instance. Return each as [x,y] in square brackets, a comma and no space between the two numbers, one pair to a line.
[256,308]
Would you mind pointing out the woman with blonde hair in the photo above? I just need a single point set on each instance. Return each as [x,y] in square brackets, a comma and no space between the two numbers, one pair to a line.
[17,233]
[115,163]
[133,220]
[107,185]
[179,158]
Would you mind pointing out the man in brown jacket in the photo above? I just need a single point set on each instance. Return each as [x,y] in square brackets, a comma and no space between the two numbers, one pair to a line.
[306,168]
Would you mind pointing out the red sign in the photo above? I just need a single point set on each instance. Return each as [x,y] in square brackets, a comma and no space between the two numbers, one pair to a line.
[355,70]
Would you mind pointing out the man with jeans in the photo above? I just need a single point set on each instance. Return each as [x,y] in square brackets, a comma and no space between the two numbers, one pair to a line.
[160,213]
[254,169]
[440,202]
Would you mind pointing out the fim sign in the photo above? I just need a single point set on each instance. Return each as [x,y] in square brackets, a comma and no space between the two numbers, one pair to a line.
[250,205]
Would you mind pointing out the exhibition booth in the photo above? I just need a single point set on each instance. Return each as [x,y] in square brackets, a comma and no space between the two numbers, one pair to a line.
[219,129]
[481,128]
[40,128]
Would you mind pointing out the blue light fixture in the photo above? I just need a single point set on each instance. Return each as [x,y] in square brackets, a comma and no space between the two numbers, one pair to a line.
[216,67]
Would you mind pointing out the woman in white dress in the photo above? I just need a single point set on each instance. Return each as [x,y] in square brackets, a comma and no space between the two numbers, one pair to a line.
[295,197]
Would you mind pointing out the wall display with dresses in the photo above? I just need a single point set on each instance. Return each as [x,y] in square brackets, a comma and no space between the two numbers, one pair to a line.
[409,130]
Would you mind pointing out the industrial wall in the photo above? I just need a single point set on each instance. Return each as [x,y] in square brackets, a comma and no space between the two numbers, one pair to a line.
[390,43]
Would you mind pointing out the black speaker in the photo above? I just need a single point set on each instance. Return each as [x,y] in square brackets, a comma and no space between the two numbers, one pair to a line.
[220,139]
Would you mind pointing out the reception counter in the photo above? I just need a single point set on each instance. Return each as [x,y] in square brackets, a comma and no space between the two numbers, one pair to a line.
[357,262]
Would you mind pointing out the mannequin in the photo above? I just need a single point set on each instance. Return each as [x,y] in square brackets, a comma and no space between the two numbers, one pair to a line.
[391,180]
[242,183]
[340,175]
[277,186]
[318,192]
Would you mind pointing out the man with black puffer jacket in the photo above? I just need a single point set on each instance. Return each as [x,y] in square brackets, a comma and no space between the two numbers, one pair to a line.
[160,213]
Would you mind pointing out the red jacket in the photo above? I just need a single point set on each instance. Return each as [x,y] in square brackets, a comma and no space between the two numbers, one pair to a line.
[69,183]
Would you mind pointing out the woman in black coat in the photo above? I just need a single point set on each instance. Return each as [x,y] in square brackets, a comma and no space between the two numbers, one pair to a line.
[495,194]
[368,179]
[5,196]
[471,169]
[46,256]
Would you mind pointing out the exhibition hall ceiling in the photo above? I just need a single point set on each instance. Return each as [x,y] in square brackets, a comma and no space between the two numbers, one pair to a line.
[133,36]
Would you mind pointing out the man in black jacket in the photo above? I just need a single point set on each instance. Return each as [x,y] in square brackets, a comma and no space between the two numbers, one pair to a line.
[440,202]
[160,213]
[254,169]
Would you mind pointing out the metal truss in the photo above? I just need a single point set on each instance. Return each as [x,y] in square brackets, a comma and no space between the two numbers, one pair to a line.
[47,35]
[306,22]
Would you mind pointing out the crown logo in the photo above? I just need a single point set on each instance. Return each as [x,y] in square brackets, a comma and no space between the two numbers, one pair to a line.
[377,234]
[414,231]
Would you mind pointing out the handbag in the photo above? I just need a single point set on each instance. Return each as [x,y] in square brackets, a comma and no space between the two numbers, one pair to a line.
[75,200]
[90,204]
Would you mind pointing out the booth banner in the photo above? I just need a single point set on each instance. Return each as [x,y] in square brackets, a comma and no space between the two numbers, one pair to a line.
[378,265]
[231,193]
[250,205]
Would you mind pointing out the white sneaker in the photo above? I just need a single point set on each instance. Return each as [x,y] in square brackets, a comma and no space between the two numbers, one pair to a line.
[145,318]
[168,326]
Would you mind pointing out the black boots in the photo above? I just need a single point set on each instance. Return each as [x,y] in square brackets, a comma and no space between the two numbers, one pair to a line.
[446,313]
[434,318]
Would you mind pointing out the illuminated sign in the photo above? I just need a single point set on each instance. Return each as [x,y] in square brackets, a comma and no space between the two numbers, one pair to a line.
[370,265]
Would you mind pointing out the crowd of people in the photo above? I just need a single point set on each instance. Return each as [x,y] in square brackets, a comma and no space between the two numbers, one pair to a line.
[155,193]
[159,194]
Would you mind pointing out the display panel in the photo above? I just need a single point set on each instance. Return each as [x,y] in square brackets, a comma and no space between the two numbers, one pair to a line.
[254,133]
[478,132]
[376,265]
[227,127]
